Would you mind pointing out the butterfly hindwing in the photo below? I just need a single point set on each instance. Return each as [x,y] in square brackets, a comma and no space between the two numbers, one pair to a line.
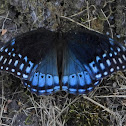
[32,58]
[44,78]
[76,79]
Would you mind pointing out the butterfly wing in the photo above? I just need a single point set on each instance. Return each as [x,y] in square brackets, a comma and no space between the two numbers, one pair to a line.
[76,79]
[32,58]
[88,58]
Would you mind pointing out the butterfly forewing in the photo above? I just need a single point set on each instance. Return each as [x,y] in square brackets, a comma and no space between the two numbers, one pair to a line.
[32,58]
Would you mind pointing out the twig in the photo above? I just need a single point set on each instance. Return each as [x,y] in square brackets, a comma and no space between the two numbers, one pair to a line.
[107,22]
[112,96]
[5,20]
[78,23]
[88,13]
[82,11]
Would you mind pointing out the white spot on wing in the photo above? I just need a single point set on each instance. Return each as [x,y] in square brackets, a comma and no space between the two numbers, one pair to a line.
[20,55]
[96,83]
[123,48]
[13,54]
[102,66]
[81,91]
[115,53]
[18,73]
[108,62]
[41,91]
[118,49]
[117,67]
[104,55]
[123,67]
[112,69]
[110,54]
[124,57]
[72,90]
[9,53]
[6,49]
[114,60]
[57,88]
[10,61]
[21,66]
[120,60]
[2,49]
[7,68]
[90,88]
[105,73]
[33,90]
[1,58]
[12,49]
[49,90]
[13,70]
[5,61]
[16,62]
[98,76]
[25,76]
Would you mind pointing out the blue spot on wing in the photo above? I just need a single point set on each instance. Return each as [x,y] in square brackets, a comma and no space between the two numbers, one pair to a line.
[81,78]
[35,79]
[87,77]
[12,42]
[49,80]
[73,80]
[41,80]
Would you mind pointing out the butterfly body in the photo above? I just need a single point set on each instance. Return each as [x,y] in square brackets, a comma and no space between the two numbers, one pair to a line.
[75,61]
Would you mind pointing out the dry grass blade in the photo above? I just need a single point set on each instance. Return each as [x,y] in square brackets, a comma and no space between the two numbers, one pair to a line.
[64,109]
[79,23]
[111,96]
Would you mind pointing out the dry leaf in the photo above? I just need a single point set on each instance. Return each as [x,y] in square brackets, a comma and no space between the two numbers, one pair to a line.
[3,31]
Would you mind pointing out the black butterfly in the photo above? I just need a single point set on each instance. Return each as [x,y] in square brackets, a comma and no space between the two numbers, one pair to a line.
[49,61]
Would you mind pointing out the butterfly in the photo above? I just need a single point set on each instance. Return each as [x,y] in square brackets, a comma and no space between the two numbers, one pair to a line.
[74,61]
